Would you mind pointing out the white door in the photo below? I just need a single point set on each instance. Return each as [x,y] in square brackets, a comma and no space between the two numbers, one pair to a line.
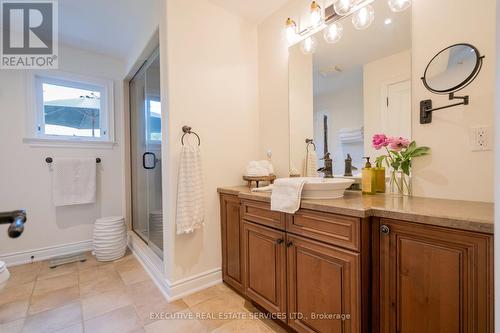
[397,115]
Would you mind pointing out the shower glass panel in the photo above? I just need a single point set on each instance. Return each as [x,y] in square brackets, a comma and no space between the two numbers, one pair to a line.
[145,142]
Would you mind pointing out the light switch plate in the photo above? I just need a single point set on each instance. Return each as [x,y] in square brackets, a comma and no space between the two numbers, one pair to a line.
[481,138]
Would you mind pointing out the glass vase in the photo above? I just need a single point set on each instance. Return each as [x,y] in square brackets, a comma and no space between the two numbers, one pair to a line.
[400,183]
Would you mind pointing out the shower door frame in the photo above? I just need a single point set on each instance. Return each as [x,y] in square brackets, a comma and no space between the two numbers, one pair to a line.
[143,67]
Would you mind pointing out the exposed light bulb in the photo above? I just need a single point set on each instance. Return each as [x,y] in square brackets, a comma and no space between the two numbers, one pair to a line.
[343,7]
[308,46]
[363,18]
[399,5]
[387,21]
[290,30]
[316,15]
[333,32]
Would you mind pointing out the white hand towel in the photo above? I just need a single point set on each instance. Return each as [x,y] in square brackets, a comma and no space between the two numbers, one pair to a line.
[287,193]
[190,208]
[311,164]
[74,181]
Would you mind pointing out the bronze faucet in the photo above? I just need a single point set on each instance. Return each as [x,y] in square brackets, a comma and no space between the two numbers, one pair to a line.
[327,170]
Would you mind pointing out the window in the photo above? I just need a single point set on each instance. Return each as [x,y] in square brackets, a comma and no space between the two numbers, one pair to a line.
[154,128]
[70,107]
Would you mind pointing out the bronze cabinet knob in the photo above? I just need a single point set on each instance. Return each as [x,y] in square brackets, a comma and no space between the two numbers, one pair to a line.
[385,229]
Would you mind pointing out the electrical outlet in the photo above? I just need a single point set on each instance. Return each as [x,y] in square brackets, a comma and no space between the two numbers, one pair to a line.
[482,138]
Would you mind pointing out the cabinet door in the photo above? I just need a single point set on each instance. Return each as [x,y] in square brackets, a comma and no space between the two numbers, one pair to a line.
[434,279]
[323,287]
[232,263]
[265,267]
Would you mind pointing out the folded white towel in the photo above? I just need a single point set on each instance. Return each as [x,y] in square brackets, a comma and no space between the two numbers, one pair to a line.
[351,139]
[352,130]
[311,164]
[190,206]
[267,188]
[259,168]
[74,181]
[286,194]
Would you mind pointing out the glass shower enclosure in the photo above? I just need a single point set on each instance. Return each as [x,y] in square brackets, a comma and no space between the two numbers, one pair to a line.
[145,150]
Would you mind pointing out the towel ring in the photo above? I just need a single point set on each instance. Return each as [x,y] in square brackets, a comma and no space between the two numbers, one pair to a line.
[187,130]
[310,142]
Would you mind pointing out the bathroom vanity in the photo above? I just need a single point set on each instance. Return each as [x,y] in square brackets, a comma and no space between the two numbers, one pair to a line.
[362,263]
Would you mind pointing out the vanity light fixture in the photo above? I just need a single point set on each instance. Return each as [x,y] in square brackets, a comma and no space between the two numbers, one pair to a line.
[343,7]
[363,15]
[291,30]
[333,32]
[363,18]
[316,14]
[308,45]
[399,5]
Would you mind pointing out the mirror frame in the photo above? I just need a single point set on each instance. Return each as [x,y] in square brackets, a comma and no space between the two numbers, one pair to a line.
[464,83]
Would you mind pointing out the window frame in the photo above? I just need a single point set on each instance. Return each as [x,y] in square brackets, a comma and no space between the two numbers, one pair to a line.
[36,119]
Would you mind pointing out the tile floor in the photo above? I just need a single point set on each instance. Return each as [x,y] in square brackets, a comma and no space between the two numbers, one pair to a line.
[115,297]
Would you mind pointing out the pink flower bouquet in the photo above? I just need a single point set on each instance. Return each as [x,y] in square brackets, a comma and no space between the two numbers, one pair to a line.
[400,152]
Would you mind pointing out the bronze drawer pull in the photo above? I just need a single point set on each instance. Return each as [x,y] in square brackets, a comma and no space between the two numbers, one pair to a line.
[279,241]
[289,244]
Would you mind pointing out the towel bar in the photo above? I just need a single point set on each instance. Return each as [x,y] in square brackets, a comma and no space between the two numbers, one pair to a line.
[50,160]
[187,130]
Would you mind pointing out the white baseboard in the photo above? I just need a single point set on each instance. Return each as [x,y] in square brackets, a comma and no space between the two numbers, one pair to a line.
[171,290]
[25,257]
[193,284]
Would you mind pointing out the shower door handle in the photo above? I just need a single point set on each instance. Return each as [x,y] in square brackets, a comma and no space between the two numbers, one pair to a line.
[144,158]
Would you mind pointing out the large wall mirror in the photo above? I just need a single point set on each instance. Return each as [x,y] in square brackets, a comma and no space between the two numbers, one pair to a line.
[357,87]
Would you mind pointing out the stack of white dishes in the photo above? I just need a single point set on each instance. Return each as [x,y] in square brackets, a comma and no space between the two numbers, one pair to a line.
[110,238]
[156,228]
[4,274]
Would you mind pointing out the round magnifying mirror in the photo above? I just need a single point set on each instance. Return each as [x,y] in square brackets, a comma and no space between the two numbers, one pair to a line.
[452,69]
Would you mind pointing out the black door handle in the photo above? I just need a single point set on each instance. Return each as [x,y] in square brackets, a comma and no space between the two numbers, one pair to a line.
[144,161]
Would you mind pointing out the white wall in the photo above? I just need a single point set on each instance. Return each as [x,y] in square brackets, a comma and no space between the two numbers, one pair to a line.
[497,178]
[211,75]
[274,133]
[301,107]
[25,179]
[376,74]
[453,171]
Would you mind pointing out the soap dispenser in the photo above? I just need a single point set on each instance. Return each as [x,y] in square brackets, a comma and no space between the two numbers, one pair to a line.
[368,180]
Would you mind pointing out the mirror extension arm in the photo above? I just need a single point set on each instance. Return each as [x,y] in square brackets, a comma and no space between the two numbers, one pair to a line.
[426,107]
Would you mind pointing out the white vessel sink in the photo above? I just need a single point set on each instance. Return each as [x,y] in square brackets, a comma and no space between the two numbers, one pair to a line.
[325,188]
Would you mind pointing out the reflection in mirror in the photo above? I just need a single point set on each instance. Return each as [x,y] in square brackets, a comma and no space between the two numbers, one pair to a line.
[360,85]
[452,68]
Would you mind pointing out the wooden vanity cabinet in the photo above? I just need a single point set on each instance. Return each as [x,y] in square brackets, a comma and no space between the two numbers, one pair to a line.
[323,281]
[232,242]
[433,279]
[265,267]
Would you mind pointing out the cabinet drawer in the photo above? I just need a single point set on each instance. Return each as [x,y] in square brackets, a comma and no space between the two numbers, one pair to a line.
[335,229]
[260,212]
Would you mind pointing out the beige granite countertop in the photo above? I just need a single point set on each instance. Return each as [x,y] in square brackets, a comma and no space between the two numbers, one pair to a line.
[464,215]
